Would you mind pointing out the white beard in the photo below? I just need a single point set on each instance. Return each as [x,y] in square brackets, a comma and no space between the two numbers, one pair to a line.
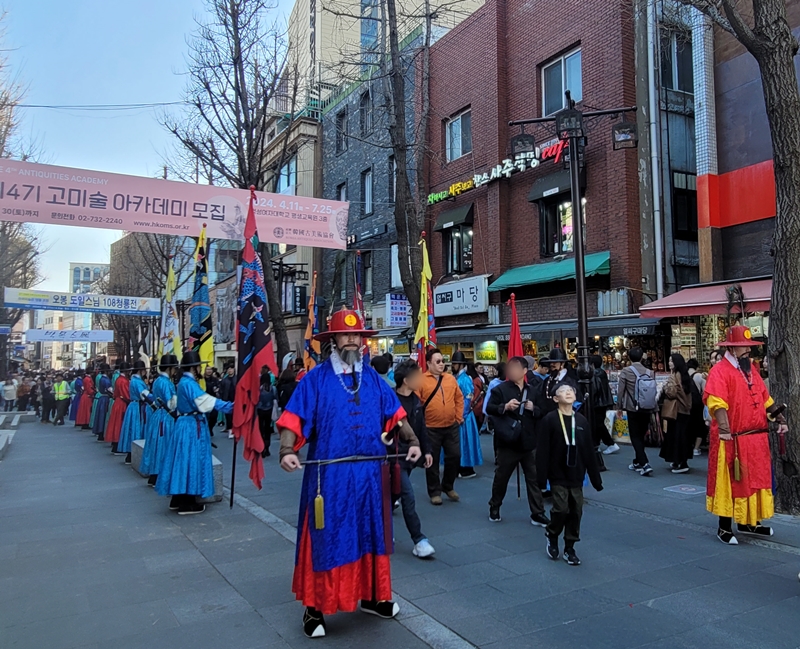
[349,356]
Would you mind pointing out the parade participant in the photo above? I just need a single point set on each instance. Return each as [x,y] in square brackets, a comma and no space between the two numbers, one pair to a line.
[559,374]
[471,455]
[121,401]
[83,417]
[160,423]
[212,389]
[443,403]
[186,472]
[77,391]
[565,454]
[408,377]
[61,397]
[344,537]
[739,461]
[136,413]
[102,399]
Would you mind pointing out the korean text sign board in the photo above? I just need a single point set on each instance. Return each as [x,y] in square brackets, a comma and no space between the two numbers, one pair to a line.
[17,298]
[463,296]
[69,336]
[398,311]
[35,193]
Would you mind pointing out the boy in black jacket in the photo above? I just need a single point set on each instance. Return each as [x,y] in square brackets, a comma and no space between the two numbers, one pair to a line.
[408,379]
[565,454]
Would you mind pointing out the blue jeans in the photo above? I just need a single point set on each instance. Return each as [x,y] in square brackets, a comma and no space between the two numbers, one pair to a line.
[409,505]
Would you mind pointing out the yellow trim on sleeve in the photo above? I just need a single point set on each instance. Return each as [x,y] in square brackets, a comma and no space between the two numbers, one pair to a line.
[770,402]
[715,403]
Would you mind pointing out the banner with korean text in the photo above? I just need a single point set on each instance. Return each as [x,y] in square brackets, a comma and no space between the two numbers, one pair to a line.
[69,335]
[18,298]
[36,193]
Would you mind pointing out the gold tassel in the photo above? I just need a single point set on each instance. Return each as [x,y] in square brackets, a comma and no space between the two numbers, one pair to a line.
[319,503]
[737,469]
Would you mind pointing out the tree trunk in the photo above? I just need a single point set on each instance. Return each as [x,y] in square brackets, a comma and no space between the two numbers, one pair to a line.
[775,57]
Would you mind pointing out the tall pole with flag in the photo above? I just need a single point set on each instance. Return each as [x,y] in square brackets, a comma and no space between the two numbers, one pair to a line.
[358,298]
[254,346]
[169,339]
[426,327]
[515,337]
[312,348]
[201,328]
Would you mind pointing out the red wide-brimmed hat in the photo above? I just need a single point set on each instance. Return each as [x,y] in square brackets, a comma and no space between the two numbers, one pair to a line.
[345,322]
[739,336]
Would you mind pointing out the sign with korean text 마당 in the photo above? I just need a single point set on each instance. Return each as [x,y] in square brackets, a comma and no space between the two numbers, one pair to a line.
[69,336]
[35,193]
[17,298]
[463,296]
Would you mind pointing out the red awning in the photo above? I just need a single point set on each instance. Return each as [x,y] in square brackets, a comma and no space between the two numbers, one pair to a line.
[708,300]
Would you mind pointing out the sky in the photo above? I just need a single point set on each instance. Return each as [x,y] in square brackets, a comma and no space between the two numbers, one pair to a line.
[96,52]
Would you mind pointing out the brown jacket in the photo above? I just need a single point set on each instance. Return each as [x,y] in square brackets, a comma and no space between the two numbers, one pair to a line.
[676,401]
[447,406]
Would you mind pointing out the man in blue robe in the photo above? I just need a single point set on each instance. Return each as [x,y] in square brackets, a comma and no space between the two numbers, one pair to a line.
[341,409]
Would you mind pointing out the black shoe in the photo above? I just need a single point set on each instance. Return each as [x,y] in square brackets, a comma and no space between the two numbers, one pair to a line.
[571,558]
[467,473]
[128,458]
[552,547]
[190,508]
[386,610]
[175,503]
[152,479]
[494,514]
[758,529]
[726,537]
[546,494]
[540,519]
[314,623]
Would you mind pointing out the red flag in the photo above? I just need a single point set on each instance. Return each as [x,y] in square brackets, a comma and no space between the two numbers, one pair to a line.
[254,346]
[515,339]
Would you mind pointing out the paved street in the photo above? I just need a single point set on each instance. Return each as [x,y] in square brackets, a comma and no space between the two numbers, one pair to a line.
[90,557]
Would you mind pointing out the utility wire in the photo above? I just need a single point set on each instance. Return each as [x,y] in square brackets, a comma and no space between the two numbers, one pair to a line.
[102,107]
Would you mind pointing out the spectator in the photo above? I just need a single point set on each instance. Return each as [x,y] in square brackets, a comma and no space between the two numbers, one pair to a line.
[638,418]
[266,400]
[48,400]
[698,421]
[409,379]
[390,358]
[285,386]
[212,388]
[9,395]
[675,416]
[443,405]
[61,398]
[227,392]
[602,401]
[382,365]
[511,410]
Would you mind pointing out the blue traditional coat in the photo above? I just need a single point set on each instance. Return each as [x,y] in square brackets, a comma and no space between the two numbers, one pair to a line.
[326,412]
[186,467]
[471,453]
[77,391]
[159,425]
[101,405]
[135,415]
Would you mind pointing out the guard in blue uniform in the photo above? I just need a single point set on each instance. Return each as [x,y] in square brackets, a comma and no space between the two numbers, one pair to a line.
[136,412]
[160,423]
[186,472]
[102,399]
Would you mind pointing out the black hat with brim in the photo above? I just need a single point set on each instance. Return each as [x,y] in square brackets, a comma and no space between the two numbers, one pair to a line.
[191,359]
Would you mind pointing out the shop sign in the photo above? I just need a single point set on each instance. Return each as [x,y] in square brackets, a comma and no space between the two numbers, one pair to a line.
[638,331]
[504,338]
[464,296]
[398,311]
[487,352]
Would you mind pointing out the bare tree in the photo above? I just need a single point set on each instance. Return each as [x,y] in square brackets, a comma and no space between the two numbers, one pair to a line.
[239,84]
[762,27]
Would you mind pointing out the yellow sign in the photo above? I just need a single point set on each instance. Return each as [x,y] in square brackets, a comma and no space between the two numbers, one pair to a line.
[487,352]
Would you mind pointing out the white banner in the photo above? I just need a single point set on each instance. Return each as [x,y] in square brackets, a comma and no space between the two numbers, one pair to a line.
[463,296]
[18,298]
[68,335]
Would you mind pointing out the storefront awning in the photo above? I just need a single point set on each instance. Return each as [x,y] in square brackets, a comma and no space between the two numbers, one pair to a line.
[598,263]
[454,217]
[391,333]
[710,299]
[624,325]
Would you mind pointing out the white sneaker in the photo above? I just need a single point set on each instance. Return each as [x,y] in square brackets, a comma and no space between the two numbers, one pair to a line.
[614,448]
[697,452]
[230,435]
[423,549]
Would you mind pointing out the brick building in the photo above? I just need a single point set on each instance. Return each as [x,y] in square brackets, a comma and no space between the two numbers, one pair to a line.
[506,226]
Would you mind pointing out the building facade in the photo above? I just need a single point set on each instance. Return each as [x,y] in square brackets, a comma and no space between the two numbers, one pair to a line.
[82,275]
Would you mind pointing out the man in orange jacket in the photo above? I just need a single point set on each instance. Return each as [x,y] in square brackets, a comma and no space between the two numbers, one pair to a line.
[443,403]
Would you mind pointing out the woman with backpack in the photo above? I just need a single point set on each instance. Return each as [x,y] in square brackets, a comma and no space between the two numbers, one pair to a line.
[675,415]
[698,425]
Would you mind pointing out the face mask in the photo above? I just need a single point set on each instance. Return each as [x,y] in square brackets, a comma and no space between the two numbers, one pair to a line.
[744,363]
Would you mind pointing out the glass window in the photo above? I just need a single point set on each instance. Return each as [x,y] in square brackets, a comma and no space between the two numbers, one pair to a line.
[395,276]
[287,295]
[677,71]
[366,269]
[341,131]
[458,249]
[341,192]
[87,274]
[366,191]
[365,114]
[559,76]
[287,178]
[684,206]
[555,221]
[96,273]
[343,280]
[458,135]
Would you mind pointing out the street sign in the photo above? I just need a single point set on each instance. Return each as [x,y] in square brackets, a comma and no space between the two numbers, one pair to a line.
[5,330]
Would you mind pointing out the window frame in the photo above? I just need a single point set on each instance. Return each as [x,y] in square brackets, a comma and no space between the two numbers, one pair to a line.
[689,192]
[549,207]
[289,172]
[366,268]
[458,262]
[340,125]
[367,206]
[458,117]
[562,60]
[671,36]
[365,113]
[341,188]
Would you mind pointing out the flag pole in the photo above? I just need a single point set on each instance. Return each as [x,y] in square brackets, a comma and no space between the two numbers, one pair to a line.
[233,471]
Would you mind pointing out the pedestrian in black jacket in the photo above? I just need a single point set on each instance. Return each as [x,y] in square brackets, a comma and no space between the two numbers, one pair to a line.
[227,392]
[565,454]
[408,379]
[511,412]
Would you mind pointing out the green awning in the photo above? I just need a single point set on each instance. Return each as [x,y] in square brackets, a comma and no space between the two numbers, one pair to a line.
[598,263]
[451,218]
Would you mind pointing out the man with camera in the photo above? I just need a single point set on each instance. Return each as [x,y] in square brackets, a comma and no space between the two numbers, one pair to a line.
[511,413]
